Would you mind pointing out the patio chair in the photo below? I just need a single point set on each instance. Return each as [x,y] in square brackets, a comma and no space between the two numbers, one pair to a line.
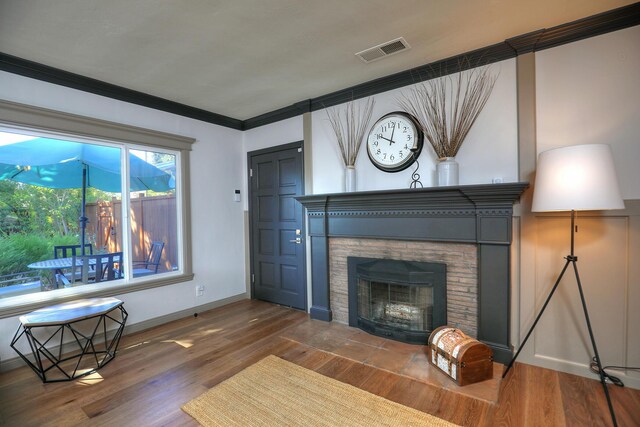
[66,251]
[95,268]
[151,264]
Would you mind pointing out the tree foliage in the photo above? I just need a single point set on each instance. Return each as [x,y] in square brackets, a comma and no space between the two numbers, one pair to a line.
[43,211]
[34,219]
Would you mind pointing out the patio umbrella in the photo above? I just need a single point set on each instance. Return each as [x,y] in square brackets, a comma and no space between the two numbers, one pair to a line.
[55,163]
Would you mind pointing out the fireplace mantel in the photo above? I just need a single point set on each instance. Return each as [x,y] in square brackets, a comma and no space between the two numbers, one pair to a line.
[479,214]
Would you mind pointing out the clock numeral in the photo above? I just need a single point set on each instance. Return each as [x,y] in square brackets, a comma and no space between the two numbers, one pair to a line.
[408,137]
[392,125]
[384,156]
[401,154]
[406,147]
[404,130]
[378,135]
[392,158]
[378,151]
[375,143]
[384,128]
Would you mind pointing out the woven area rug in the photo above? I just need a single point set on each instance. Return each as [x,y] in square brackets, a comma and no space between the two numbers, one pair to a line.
[274,392]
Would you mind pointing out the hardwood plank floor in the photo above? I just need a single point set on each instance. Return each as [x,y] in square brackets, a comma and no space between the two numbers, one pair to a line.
[158,370]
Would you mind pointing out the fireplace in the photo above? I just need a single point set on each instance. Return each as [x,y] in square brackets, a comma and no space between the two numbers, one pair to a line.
[402,300]
[479,215]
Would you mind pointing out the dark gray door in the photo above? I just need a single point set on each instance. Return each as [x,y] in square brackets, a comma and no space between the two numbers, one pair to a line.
[277,244]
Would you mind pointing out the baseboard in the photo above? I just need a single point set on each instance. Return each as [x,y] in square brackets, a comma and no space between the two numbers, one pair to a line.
[157,321]
[17,362]
[501,354]
[320,313]
[580,370]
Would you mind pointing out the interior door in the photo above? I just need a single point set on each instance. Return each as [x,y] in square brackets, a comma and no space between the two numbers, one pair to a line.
[277,243]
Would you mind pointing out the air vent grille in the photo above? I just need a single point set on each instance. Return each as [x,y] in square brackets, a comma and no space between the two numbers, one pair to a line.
[393,47]
[383,50]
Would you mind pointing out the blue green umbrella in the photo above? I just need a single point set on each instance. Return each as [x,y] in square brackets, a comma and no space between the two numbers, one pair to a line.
[54,163]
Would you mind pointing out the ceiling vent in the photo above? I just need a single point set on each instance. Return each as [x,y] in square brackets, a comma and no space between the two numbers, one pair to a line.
[383,50]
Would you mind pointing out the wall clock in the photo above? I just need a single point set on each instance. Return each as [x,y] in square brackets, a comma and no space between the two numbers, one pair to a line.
[395,142]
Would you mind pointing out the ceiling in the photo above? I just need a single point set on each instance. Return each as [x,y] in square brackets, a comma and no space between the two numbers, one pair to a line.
[244,58]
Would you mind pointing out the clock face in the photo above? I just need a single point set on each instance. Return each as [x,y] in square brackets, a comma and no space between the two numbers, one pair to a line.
[395,142]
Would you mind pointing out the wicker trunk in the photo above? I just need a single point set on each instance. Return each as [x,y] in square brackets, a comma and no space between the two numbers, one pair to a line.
[462,358]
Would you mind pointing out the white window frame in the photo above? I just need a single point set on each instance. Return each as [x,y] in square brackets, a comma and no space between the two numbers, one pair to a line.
[21,117]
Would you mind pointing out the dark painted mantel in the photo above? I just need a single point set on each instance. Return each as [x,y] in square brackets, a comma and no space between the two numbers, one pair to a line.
[479,214]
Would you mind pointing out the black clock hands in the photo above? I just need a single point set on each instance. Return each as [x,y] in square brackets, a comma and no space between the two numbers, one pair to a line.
[391,141]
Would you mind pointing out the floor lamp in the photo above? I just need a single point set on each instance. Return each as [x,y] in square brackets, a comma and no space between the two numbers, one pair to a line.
[579,177]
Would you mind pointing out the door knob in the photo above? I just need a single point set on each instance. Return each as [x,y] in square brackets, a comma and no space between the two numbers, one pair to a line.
[297,240]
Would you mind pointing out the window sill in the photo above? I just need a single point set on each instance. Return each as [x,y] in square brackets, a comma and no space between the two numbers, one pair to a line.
[26,303]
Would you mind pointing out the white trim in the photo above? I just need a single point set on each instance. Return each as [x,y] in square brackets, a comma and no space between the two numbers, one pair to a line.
[22,115]
[125,211]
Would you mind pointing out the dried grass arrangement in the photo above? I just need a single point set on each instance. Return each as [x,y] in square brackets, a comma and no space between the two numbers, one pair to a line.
[447,107]
[350,125]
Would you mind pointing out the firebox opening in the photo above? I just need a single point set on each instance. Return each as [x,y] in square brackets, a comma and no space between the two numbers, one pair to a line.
[402,300]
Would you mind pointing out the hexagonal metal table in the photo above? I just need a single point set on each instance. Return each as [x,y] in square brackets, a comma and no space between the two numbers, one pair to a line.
[92,328]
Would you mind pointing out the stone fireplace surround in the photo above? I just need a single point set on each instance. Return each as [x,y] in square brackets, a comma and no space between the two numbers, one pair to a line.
[476,214]
[462,273]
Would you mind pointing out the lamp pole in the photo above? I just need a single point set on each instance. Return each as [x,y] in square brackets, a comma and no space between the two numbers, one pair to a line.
[571,259]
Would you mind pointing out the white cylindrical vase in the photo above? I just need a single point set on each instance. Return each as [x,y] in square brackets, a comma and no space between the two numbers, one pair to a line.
[447,172]
[350,179]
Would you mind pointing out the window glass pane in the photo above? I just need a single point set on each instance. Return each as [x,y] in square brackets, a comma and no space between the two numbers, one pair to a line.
[43,183]
[153,212]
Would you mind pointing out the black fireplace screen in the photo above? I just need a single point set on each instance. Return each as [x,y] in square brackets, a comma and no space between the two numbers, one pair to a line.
[399,306]
[403,300]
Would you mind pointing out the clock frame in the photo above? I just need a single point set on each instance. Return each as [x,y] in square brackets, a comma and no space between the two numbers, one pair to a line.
[410,139]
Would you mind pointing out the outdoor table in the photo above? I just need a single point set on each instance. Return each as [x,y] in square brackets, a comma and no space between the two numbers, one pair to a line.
[56,266]
[90,325]
[52,266]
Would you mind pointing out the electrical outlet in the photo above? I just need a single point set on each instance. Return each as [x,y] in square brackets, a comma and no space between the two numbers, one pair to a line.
[199,290]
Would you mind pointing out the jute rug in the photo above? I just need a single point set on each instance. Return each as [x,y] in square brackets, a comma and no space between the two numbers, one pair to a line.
[274,392]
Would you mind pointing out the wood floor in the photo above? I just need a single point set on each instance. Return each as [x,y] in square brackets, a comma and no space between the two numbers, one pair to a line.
[158,370]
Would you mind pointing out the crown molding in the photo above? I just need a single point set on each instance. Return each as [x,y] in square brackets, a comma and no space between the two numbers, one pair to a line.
[23,67]
[613,20]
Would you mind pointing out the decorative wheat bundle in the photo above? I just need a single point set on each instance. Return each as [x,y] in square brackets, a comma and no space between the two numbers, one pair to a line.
[350,125]
[448,107]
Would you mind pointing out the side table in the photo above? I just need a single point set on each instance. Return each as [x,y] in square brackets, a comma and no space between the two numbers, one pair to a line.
[92,328]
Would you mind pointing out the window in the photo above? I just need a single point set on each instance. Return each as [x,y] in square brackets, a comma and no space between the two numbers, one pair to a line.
[106,189]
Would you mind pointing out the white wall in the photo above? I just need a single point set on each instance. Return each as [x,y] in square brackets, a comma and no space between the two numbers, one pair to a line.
[588,92]
[216,220]
[490,150]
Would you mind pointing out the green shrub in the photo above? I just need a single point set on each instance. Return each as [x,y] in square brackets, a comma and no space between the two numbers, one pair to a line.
[20,250]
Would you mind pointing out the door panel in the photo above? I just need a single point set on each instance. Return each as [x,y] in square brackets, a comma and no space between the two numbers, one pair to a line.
[276,223]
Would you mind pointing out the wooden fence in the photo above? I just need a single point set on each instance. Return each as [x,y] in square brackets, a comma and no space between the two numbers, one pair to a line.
[153,219]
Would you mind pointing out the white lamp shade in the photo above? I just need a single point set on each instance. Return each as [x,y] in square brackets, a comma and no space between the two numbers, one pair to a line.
[579,177]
